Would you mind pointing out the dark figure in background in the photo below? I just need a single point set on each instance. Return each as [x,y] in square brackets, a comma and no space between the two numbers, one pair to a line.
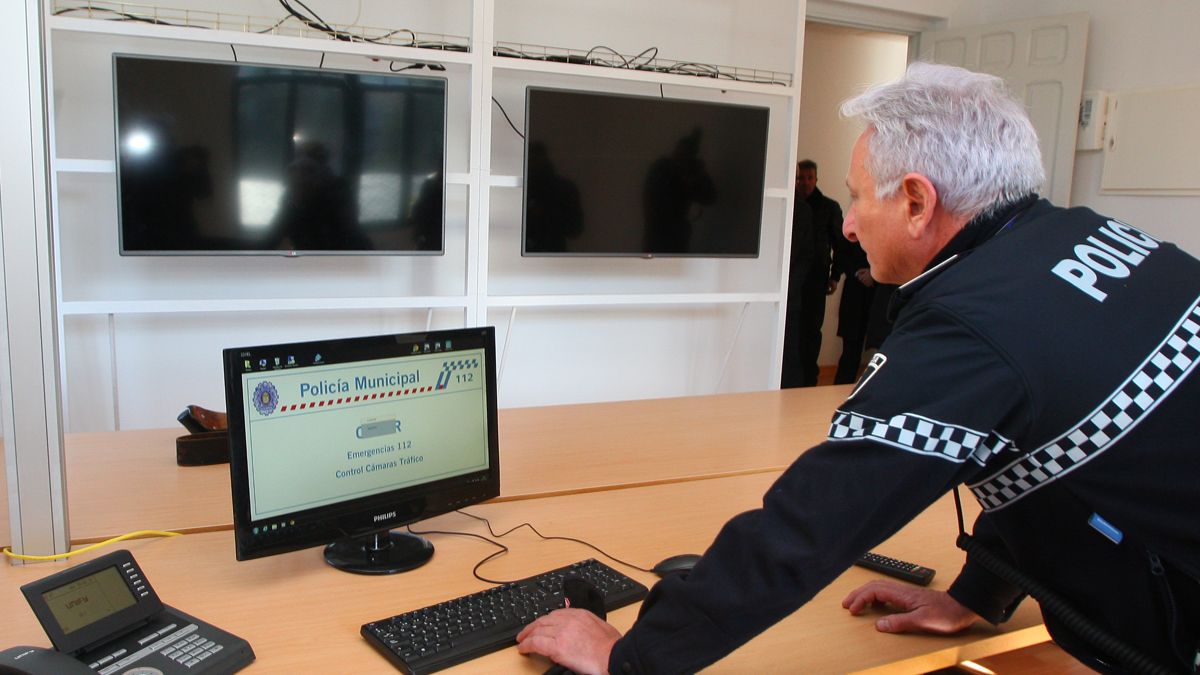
[553,211]
[316,211]
[816,223]
[673,184]
[854,312]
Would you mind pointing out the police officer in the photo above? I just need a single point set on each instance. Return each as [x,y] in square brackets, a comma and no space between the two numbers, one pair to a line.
[1044,357]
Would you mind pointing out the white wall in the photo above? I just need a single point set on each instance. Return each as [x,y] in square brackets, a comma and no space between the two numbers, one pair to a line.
[838,63]
[1143,45]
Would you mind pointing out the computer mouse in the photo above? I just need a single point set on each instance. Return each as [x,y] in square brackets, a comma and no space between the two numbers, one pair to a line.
[683,562]
[581,594]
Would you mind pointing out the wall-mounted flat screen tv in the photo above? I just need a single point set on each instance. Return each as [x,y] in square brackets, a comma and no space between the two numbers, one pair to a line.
[615,175]
[218,158]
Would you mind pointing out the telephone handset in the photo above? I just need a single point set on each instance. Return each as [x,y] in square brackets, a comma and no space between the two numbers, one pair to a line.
[104,615]
[34,660]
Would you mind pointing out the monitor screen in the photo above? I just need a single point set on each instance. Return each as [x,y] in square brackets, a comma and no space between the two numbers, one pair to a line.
[340,441]
[637,176]
[232,158]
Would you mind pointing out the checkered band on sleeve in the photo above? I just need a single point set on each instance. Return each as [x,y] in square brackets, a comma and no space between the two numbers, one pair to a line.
[1154,380]
[918,434]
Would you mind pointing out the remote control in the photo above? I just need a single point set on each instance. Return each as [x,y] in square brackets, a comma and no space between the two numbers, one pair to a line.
[905,571]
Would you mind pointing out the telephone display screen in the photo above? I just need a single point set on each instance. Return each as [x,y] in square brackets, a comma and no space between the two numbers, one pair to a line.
[88,599]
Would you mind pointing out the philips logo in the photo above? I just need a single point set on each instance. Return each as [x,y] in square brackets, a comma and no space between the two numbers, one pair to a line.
[384,516]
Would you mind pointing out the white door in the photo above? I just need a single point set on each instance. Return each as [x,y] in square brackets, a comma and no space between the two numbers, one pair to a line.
[1042,62]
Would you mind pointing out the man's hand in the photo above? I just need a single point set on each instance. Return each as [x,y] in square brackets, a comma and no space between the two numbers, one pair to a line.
[864,277]
[831,287]
[920,610]
[573,638]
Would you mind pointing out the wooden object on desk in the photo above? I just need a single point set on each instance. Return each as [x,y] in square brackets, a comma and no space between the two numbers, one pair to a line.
[301,615]
[119,482]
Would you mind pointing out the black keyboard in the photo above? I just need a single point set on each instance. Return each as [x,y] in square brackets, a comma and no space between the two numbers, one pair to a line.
[448,633]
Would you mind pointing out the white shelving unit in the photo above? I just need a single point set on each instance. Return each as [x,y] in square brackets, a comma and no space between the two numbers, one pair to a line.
[484,289]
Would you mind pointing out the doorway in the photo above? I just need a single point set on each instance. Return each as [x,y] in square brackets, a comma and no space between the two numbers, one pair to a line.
[838,63]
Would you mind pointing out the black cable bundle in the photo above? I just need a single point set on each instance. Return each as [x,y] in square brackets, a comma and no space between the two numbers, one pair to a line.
[312,20]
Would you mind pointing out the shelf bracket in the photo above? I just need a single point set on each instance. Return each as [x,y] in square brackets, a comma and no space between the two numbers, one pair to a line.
[732,342]
[508,331]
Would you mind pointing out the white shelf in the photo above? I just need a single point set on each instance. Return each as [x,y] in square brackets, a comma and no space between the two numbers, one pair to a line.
[64,165]
[498,180]
[630,299]
[626,74]
[501,180]
[315,42]
[100,307]
[72,165]
[97,307]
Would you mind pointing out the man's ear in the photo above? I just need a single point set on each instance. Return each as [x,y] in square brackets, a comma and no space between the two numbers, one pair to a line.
[920,201]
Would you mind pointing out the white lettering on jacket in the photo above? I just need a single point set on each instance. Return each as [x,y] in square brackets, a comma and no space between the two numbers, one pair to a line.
[1113,253]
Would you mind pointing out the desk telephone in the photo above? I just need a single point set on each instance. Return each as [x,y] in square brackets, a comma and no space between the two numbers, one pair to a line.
[103,617]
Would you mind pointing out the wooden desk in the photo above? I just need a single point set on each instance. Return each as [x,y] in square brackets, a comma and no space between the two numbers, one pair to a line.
[118,482]
[595,446]
[303,616]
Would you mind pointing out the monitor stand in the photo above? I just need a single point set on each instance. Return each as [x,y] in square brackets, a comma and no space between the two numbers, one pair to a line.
[379,553]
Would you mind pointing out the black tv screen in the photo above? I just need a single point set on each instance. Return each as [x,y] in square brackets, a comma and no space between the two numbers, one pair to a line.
[229,158]
[615,175]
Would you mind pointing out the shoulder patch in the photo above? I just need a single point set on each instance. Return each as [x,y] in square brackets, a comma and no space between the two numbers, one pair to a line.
[873,367]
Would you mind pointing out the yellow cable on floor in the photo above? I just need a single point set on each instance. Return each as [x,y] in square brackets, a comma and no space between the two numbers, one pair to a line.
[59,556]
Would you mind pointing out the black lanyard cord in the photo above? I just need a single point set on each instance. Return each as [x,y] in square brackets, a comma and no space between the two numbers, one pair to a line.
[1128,656]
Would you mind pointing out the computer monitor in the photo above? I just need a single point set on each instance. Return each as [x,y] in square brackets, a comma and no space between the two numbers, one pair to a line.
[340,441]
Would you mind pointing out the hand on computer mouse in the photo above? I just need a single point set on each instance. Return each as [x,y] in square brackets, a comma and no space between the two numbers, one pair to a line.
[583,594]
[573,638]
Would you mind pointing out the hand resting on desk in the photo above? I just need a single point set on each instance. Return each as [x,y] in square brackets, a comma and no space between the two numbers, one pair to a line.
[579,640]
[921,610]
[573,638]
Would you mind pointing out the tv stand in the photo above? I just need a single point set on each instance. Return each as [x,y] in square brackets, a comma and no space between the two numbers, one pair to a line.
[379,553]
